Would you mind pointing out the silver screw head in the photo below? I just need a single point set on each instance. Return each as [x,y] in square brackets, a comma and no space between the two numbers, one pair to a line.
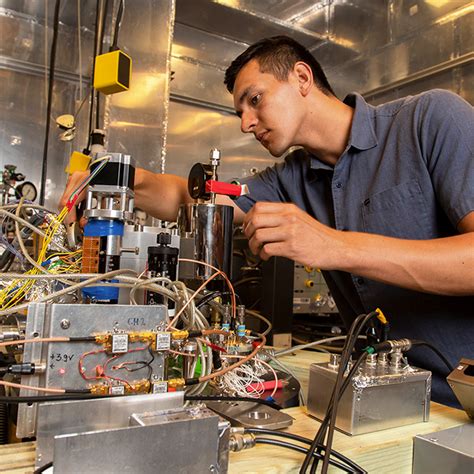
[65,323]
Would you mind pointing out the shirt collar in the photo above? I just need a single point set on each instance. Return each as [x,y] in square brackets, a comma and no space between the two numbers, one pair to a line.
[362,130]
[362,135]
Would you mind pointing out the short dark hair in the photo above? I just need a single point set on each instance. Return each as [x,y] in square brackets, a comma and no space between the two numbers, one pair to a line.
[277,55]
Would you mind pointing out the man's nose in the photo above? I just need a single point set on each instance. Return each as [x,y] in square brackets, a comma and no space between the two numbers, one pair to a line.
[248,122]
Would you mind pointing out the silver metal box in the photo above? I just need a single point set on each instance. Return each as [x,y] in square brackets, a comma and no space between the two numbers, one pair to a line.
[60,359]
[378,398]
[448,451]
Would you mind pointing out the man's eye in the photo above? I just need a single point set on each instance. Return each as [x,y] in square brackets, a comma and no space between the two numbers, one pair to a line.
[255,99]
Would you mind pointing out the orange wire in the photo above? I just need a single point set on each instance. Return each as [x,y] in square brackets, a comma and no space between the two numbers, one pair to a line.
[30,387]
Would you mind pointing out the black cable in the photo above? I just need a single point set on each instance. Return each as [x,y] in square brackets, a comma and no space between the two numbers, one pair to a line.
[52,63]
[255,279]
[351,339]
[304,440]
[54,398]
[207,398]
[301,449]
[338,393]
[96,44]
[205,299]
[43,468]
[100,50]
[435,350]
[118,23]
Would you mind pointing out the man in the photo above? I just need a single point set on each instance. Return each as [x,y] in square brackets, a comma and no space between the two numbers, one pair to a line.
[380,198]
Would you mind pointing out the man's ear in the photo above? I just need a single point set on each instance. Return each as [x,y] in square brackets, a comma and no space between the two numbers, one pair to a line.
[304,76]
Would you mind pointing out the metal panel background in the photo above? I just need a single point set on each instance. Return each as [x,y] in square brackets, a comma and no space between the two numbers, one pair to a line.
[384,49]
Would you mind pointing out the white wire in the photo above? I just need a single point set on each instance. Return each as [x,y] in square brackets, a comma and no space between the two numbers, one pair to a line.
[310,344]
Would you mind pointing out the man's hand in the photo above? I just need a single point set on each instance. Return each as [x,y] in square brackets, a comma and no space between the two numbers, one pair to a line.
[284,230]
[72,184]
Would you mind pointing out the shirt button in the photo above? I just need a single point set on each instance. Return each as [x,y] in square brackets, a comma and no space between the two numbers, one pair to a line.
[338,185]
[360,281]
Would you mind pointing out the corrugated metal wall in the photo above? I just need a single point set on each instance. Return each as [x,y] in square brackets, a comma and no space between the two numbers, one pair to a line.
[136,119]
[382,48]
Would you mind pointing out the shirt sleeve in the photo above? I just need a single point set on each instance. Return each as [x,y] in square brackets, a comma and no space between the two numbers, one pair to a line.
[446,127]
[270,184]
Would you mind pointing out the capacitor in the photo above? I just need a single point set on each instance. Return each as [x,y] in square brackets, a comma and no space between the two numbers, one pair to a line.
[226,318]
[162,262]
[240,328]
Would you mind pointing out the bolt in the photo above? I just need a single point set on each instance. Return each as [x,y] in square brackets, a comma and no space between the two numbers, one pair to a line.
[213,469]
[65,323]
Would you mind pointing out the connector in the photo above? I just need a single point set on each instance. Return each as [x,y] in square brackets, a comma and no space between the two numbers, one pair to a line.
[26,368]
[141,386]
[175,385]
[402,345]
[241,441]
[180,335]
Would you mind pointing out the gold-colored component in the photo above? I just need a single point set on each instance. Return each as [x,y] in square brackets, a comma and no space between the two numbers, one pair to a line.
[141,386]
[308,269]
[179,335]
[309,283]
[100,389]
[176,384]
[318,298]
[144,336]
[105,340]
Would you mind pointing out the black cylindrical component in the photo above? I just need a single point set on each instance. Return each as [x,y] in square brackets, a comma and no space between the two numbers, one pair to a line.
[162,262]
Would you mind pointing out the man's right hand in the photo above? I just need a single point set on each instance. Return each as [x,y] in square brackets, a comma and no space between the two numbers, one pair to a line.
[73,182]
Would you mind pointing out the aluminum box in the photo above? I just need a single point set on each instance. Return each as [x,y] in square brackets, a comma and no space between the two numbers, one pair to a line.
[378,398]
[448,451]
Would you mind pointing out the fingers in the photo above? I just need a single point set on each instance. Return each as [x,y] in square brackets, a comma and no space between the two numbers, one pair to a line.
[265,235]
[260,221]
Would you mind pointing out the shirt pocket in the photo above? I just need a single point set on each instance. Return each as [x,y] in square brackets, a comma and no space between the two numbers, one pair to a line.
[399,211]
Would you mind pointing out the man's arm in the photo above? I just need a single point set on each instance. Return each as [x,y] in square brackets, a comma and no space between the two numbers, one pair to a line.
[442,266]
[159,195]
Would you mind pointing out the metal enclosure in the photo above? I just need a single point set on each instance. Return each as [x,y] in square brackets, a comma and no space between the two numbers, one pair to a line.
[69,417]
[448,451]
[61,359]
[378,397]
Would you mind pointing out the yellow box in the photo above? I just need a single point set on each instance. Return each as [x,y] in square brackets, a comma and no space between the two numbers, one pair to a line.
[78,162]
[112,72]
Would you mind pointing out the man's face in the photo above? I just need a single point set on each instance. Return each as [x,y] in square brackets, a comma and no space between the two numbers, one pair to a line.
[268,108]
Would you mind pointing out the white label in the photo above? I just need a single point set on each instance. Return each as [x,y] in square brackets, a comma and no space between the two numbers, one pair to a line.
[163,341]
[160,387]
[119,343]
[301,300]
[117,390]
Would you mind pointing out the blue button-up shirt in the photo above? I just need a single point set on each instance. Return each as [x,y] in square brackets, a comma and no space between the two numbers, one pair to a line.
[407,172]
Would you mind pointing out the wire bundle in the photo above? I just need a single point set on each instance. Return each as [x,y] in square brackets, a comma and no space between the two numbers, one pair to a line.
[328,424]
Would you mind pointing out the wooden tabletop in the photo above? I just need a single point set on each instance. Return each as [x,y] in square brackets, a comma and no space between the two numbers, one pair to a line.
[388,451]
[382,452]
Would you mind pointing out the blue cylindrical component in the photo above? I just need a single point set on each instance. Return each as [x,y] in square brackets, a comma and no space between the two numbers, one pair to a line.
[101,254]
[225,327]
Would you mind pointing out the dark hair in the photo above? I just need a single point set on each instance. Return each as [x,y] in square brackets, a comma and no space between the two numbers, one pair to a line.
[277,55]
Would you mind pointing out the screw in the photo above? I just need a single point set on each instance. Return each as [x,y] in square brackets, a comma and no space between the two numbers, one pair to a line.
[65,323]
[213,469]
